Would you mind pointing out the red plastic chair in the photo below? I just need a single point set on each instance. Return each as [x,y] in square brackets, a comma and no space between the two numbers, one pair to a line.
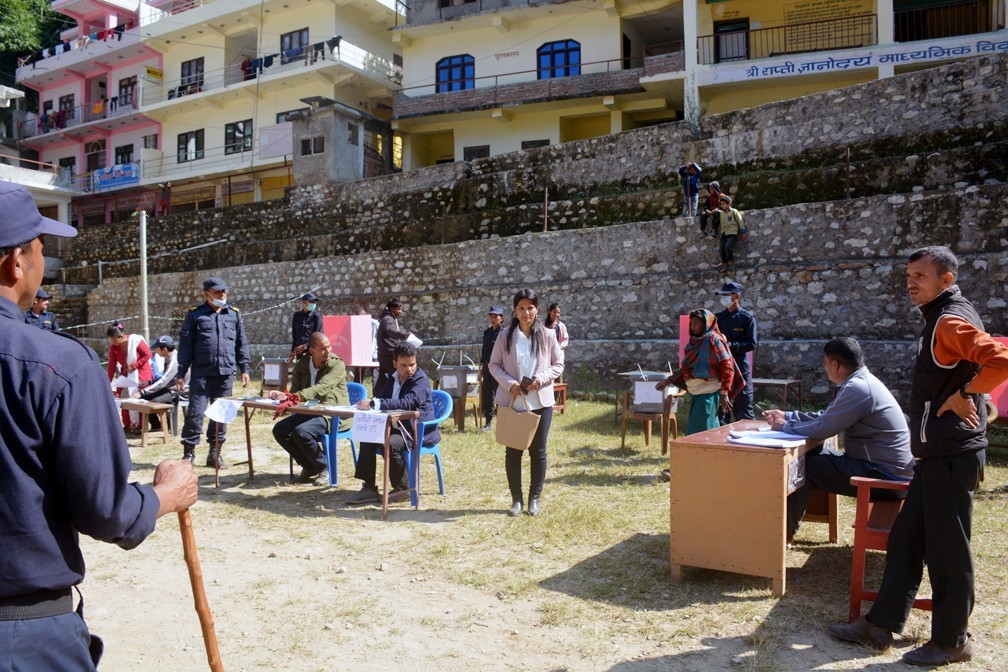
[873,519]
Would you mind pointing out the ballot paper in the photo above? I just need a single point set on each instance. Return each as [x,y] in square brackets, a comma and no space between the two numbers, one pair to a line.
[766,438]
[123,381]
[224,410]
[414,341]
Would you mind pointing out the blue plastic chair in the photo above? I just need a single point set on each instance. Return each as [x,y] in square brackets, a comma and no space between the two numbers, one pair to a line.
[443,405]
[330,442]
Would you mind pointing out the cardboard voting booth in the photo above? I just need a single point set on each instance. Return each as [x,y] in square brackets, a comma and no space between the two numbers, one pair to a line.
[350,336]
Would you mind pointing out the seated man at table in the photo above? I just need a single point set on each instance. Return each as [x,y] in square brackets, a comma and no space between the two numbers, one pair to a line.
[876,437]
[406,388]
[321,376]
[161,390]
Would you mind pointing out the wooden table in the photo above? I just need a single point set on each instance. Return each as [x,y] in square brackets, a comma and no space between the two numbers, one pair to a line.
[145,408]
[249,406]
[728,503]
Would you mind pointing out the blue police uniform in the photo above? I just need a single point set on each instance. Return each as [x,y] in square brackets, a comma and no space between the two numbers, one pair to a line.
[212,347]
[739,327]
[303,325]
[64,469]
[44,320]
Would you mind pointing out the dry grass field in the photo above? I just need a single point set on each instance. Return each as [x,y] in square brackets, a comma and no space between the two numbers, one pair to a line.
[298,581]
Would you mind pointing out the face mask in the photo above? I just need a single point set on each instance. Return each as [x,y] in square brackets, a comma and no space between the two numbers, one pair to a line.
[311,307]
[218,303]
[726,301]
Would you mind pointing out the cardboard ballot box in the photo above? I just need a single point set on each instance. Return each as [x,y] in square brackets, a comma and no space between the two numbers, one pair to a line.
[350,336]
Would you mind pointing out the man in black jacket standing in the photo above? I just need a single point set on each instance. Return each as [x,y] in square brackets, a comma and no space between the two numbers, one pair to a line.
[488,387]
[305,322]
[957,362]
[389,335]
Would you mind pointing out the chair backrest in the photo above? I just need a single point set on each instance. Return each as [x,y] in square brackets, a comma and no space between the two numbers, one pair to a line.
[357,392]
[443,406]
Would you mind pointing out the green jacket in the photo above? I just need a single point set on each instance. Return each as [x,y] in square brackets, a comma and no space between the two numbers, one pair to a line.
[330,386]
[731,222]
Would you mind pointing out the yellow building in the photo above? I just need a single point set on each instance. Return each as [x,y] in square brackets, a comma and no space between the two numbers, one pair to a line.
[549,72]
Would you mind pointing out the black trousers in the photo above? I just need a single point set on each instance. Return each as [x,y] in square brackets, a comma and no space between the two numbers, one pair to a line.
[933,529]
[715,223]
[488,391]
[726,247]
[300,436]
[203,391]
[537,460]
[367,462]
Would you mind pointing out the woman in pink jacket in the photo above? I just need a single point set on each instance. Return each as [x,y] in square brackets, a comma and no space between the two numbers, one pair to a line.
[526,360]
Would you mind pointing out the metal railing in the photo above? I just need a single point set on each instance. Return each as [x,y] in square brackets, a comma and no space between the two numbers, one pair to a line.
[346,53]
[57,120]
[610,66]
[950,19]
[156,10]
[827,35]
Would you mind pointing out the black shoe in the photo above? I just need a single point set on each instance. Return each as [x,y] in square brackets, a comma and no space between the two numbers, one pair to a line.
[366,495]
[214,460]
[306,477]
[516,508]
[533,509]
[863,632]
[666,475]
[399,495]
[932,655]
[189,453]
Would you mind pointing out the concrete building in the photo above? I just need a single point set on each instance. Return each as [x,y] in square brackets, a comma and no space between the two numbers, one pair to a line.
[485,77]
[197,93]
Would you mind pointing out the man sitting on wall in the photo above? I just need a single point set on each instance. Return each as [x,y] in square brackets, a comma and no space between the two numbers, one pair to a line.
[407,388]
[319,376]
[876,437]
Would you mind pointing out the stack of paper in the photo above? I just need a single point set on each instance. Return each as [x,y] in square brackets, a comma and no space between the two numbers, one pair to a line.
[766,438]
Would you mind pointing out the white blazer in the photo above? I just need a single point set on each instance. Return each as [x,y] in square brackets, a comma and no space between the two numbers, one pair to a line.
[504,367]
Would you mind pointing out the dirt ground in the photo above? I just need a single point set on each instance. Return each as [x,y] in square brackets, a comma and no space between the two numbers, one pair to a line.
[297,581]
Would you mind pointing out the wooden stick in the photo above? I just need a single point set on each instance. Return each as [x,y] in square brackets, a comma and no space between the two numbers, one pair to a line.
[199,594]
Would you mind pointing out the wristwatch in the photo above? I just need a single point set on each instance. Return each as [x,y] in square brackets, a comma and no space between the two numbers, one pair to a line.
[963,393]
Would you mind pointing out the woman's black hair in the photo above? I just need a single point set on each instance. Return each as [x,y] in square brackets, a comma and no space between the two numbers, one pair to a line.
[538,341]
[547,321]
[115,329]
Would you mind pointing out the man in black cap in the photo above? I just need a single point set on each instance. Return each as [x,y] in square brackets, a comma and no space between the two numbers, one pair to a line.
[495,316]
[162,390]
[38,315]
[64,463]
[738,326]
[305,323]
[213,343]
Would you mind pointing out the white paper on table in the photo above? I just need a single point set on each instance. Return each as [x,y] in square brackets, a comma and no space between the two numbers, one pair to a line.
[224,410]
[123,381]
[766,434]
[758,439]
[369,426]
[414,341]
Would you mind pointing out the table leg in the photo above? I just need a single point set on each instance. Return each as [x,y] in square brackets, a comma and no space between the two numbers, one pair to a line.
[248,441]
[385,480]
[676,572]
[778,587]
[143,430]
[416,468]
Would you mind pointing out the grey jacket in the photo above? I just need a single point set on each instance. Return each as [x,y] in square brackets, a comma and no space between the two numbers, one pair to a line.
[874,427]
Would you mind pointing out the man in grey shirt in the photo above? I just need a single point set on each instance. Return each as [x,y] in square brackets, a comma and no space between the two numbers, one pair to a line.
[876,436]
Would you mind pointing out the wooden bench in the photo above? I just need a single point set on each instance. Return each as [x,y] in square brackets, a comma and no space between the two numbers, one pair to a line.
[145,408]
[560,397]
[784,383]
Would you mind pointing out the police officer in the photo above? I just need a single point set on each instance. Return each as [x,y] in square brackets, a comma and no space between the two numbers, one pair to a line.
[38,315]
[305,323]
[213,343]
[488,387]
[738,326]
[64,463]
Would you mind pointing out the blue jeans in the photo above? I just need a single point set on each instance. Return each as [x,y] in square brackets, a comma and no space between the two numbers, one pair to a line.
[689,204]
[53,644]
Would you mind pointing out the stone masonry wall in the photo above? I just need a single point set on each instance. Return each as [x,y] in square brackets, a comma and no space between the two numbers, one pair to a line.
[501,195]
[811,273]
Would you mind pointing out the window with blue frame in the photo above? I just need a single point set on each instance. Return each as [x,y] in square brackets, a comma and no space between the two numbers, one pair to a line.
[455,73]
[559,59]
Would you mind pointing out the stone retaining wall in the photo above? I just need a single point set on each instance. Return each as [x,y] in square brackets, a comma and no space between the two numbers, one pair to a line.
[811,273]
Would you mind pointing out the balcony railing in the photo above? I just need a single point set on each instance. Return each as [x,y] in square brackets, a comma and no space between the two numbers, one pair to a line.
[155,10]
[345,53]
[950,19]
[98,43]
[114,177]
[843,33]
[57,120]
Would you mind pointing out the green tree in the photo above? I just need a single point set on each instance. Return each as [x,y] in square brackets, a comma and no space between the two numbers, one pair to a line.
[25,26]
